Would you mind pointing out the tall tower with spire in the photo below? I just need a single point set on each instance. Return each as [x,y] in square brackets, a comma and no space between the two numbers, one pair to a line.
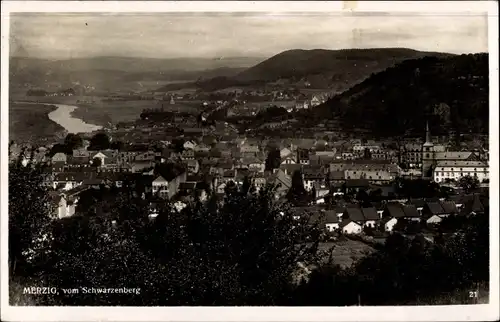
[428,157]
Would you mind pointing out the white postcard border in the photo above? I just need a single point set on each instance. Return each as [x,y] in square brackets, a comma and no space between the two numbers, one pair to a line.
[429,313]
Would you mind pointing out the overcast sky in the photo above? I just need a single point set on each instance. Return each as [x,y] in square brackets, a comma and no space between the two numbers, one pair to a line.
[212,35]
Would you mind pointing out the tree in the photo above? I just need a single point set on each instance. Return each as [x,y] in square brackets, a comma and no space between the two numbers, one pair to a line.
[100,141]
[96,162]
[297,194]
[30,215]
[178,145]
[313,193]
[60,148]
[367,154]
[243,252]
[273,159]
[468,183]
[73,141]
[362,197]
[116,145]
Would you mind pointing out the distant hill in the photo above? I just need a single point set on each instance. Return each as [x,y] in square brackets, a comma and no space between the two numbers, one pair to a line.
[329,68]
[453,92]
[336,70]
[106,70]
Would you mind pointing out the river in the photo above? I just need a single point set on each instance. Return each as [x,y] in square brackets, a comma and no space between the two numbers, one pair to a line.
[63,117]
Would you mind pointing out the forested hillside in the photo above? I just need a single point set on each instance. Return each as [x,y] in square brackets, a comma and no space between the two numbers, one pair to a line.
[452,92]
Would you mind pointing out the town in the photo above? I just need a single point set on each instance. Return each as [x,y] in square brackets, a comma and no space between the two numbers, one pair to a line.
[231,160]
[355,183]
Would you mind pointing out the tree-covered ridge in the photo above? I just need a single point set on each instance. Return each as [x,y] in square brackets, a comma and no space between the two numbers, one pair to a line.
[454,90]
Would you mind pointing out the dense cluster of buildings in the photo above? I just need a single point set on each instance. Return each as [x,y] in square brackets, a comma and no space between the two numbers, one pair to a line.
[383,216]
[202,159]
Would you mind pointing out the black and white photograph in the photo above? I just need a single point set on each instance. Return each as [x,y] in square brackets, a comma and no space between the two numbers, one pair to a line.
[232,157]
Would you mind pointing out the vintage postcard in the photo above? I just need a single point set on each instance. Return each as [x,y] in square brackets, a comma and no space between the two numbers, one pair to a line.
[255,161]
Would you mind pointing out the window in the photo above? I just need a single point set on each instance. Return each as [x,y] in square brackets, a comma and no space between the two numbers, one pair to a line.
[427,155]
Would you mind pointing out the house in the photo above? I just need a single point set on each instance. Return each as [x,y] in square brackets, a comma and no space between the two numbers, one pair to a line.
[283,182]
[303,156]
[289,159]
[67,181]
[325,219]
[350,227]
[102,156]
[187,188]
[147,156]
[332,222]
[379,207]
[347,156]
[78,162]
[419,205]
[315,101]
[455,170]
[355,214]
[248,150]
[165,188]
[321,189]
[187,155]
[201,148]
[66,202]
[449,207]
[411,212]
[371,216]
[312,175]
[301,104]
[394,210]
[434,212]
[193,166]
[388,223]
[474,206]
[189,145]
[259,181]
[140,166]
[59,157]
[81,153]
[326,154]
[253,164]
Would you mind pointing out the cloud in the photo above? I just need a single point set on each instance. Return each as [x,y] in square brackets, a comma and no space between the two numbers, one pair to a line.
[210,35]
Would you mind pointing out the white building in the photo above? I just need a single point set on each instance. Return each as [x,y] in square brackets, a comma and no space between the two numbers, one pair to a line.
[350,227]
[360,148]
[454,170]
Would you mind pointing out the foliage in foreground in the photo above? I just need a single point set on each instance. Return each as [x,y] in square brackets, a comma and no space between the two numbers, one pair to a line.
[243,251]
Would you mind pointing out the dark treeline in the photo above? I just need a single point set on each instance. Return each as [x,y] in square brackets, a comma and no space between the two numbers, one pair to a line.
[243,249]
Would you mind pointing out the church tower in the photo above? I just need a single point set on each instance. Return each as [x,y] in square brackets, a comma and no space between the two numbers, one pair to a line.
[427,154]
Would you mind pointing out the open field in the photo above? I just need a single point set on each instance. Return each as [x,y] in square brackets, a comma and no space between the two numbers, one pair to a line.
[103,113]
[31,123]
[346,252]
